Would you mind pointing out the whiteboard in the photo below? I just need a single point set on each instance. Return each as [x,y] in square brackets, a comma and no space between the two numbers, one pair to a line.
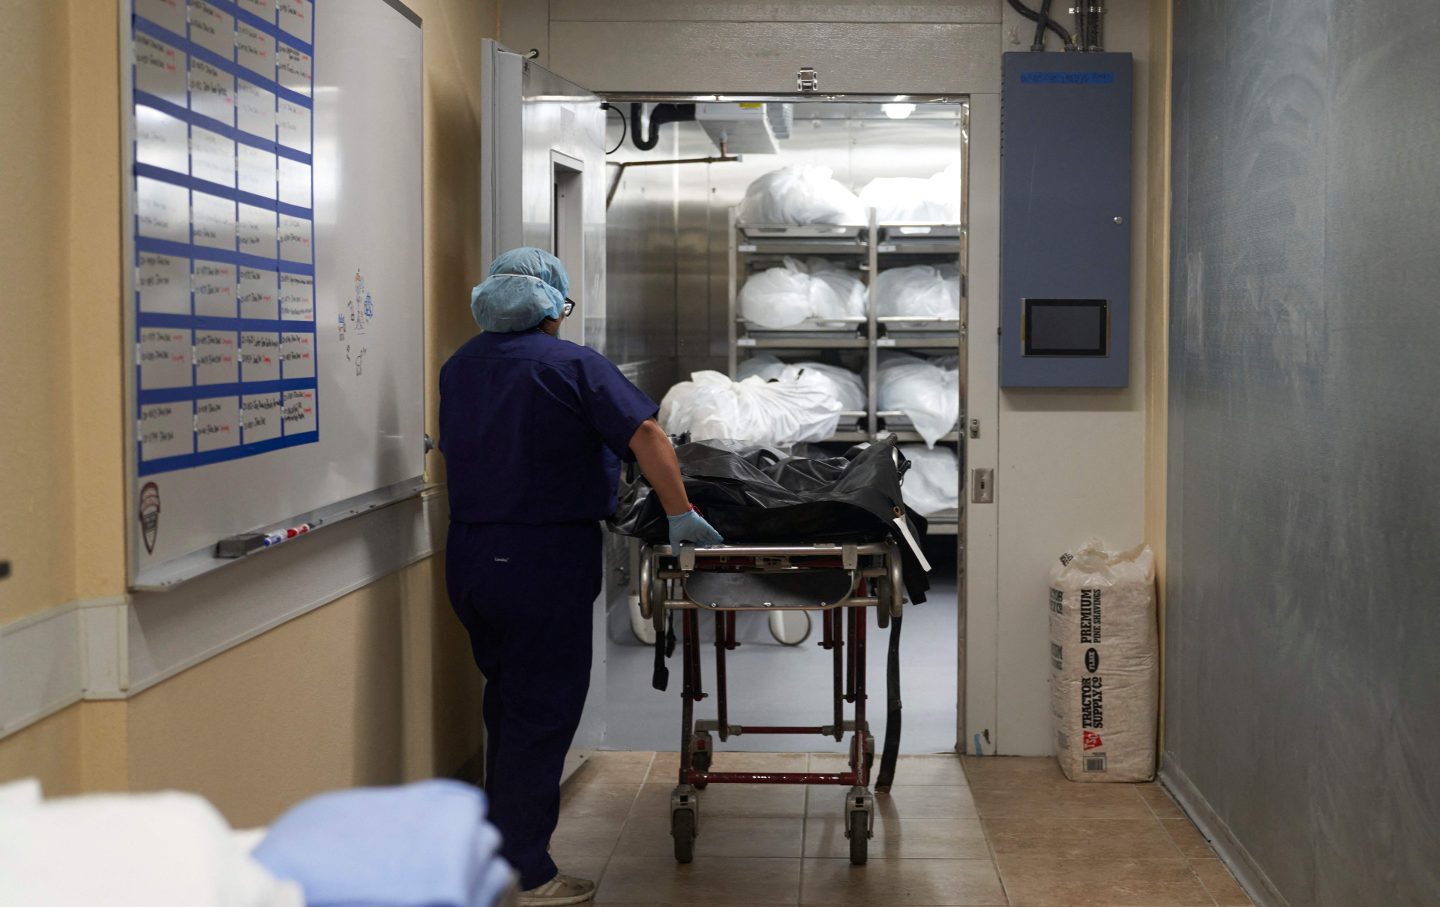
[274,283]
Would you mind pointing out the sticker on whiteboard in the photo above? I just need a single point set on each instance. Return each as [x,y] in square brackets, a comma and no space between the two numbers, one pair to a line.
[256,234]
[299,413]
[297,297]
[294,183]
[256,167]
[213,283]
[265,9]
[217,423]
[167,430]
[160,68]
[260,417]
[212,92]
[217,357]
[163,282]
[213,221]
[212,28]
[292,125]
[257,293]
[168,14]
[294,239]
[259,356]
[149,515]
[293,66]
[160,140]
[255,109]
[165,358]
[297,354]
[295,18]
[255,50]
[212,157]
[162,210]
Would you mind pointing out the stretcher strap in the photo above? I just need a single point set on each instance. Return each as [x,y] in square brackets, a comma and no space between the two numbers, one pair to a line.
[664,648]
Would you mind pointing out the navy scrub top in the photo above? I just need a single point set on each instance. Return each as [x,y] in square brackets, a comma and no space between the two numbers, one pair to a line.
[533,429]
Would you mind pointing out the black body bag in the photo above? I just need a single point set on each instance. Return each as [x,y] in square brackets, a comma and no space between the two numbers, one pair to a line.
[757,495]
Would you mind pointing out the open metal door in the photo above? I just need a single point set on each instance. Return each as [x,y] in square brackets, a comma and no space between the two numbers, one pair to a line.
[542,184]
[542,178]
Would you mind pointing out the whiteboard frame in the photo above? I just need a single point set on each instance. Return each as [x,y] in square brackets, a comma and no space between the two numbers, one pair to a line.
[202,561]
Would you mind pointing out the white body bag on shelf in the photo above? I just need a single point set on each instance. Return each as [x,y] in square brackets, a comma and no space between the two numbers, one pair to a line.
[926,392]
[801,194]
[1104,663]
[776,413]
[918,291]
[845,385]
[786,296]
[915,200]
[932,484]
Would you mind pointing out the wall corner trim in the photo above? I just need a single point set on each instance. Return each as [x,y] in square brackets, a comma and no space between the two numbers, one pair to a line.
[41,666]
[1232,853]
[113,648]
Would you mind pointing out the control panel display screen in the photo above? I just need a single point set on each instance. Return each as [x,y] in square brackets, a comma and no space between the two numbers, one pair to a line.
[1066,327]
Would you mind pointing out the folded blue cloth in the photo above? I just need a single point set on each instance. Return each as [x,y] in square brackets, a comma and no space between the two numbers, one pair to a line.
[422,845]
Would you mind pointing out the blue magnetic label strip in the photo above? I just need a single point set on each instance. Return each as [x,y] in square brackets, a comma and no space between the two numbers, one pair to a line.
[215,323]
[145,99]
[149,171]
[238,390]
[226,256]
[220,455]
[230,389]
[229,67]
[270,28]
[1067,78]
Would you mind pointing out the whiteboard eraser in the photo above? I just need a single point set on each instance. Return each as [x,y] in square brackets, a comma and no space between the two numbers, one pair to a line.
[240,545]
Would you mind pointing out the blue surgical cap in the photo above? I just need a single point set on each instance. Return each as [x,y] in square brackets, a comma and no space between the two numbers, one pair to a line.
[525,287]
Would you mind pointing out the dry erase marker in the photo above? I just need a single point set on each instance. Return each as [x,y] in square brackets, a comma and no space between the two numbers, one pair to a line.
[274,538]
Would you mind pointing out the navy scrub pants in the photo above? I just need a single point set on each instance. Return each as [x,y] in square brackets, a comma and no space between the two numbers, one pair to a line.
[526,594]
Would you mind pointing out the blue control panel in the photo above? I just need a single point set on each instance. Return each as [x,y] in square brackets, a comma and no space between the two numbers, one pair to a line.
[1065,173]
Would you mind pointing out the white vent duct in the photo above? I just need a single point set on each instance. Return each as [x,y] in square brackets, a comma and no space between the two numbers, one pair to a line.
[738,128]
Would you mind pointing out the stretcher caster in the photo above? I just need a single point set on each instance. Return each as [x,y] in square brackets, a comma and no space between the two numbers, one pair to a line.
[790,628]
[702,754]
[859,824]
[684,822]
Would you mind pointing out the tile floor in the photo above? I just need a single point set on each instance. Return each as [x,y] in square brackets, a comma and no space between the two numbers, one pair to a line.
[966,832]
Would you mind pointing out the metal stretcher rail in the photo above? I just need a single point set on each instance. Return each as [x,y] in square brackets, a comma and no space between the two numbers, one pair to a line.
[842,581]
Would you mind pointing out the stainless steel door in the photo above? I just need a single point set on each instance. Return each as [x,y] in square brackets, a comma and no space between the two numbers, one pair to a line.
[542,183]
[542,178]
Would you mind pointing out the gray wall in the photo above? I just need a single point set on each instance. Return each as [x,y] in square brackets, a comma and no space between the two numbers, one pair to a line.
[1303,660]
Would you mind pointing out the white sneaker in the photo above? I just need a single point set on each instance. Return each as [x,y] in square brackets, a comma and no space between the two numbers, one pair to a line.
[562,889]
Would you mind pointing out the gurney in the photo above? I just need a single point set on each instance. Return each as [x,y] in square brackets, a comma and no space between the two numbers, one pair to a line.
[840,581]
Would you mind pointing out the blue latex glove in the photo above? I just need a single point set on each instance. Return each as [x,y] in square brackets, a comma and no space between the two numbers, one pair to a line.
[690,526]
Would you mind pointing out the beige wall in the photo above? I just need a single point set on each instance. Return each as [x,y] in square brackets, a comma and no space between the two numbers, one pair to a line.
[37,482]
[375,687]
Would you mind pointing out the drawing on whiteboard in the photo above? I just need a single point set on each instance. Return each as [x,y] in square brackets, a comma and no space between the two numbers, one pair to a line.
[149,514]
[362,307]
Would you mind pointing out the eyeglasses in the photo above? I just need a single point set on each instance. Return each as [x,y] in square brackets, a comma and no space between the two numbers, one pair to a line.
[568,307]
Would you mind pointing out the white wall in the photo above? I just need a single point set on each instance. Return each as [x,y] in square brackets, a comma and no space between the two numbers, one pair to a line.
[1050,495]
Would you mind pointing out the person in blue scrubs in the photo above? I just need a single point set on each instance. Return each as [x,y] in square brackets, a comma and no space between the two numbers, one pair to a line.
[533,429]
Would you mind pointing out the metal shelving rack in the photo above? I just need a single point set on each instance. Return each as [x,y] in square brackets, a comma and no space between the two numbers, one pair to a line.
[874,246]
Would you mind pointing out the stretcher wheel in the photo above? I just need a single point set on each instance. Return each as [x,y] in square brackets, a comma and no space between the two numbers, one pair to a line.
[682,829]
[859,834]
[786,629]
